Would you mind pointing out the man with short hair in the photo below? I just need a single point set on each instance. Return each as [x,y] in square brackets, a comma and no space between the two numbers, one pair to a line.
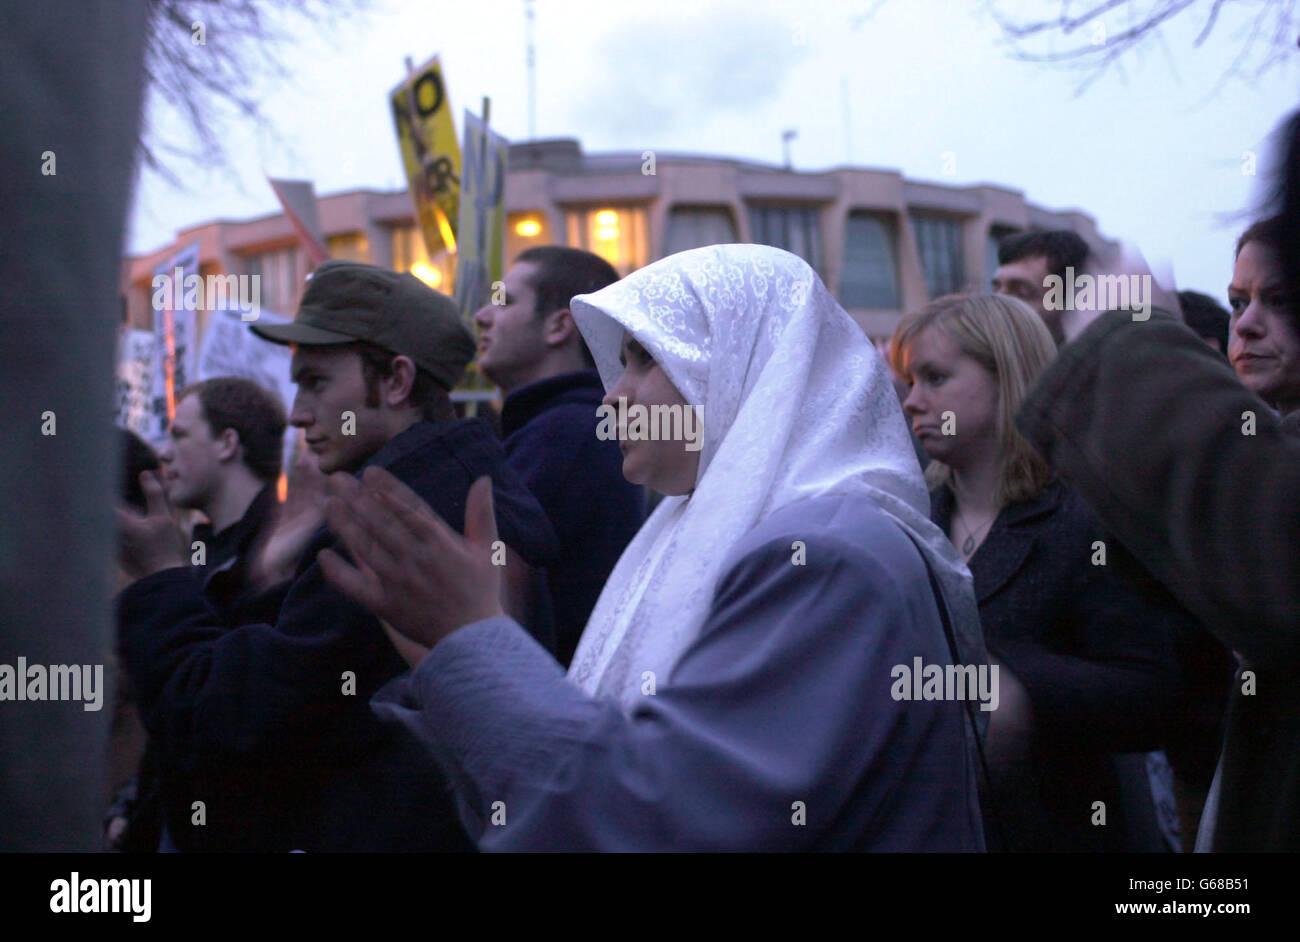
[1025,259]
[531,348]
[222,458]
[270,723]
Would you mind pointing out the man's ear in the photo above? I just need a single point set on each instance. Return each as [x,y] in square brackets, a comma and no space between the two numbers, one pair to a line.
[559,328]
[398,386]
[228,445]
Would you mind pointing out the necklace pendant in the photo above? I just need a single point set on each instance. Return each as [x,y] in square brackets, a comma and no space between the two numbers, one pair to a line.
[969,546]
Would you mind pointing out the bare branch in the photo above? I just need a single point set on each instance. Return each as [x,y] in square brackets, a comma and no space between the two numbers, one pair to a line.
[200,84]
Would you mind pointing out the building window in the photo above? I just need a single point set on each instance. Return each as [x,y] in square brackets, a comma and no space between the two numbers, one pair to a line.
[409,255]
[353,246]
[281,276]
[525,230]
[690,227]
[870,278]
[996,235]
[794,229]
[616,235]
[938,240]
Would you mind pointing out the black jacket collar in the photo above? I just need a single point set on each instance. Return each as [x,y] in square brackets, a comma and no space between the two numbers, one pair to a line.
[528,402]
[1009,540]
[236,539]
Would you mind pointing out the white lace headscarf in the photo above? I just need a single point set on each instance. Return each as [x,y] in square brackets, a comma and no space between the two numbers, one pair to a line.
[797,403]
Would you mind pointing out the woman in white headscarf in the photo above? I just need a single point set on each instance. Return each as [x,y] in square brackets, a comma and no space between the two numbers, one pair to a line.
[760,670]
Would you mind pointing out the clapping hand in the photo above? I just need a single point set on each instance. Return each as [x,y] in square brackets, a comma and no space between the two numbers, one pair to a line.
[410,568]
[153,541]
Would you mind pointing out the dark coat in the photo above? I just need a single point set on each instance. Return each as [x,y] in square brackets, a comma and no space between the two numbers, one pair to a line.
[1151,426]
[269,725]
[551,443]
[229,589]
[226,577]
[1096,660]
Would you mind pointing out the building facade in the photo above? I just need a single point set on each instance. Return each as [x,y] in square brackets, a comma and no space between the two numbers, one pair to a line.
[882,244]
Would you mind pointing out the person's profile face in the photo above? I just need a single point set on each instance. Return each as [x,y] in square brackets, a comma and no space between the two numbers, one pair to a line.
[190,458]
[668,466]
[1023,279]
[510,335]
[1263,342]
[952,400]
[339,428]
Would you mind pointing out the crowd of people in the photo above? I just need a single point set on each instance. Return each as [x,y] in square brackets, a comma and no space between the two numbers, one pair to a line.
[453,636]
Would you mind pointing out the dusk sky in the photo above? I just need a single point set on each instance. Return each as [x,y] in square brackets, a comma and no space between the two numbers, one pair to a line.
[1155,153]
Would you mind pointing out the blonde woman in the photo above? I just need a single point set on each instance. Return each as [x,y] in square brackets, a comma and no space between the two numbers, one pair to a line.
[1087,666]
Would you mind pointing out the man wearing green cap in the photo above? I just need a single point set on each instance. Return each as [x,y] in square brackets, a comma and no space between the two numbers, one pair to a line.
[266,729]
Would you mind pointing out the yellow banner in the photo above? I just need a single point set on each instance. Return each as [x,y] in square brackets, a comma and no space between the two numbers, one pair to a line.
[430,154]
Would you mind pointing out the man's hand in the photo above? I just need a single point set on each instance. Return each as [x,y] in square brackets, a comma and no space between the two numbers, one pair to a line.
[152,542]
[411,569]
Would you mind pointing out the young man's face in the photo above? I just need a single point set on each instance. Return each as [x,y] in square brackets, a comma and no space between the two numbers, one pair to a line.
[340,429]
[191,458]
[1023,279]
[511,336]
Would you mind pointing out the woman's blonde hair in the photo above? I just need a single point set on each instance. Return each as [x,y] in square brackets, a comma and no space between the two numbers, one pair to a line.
[1007,338]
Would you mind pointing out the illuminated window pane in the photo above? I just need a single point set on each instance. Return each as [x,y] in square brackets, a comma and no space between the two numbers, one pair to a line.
[409,255]
[616,234]
[353,246]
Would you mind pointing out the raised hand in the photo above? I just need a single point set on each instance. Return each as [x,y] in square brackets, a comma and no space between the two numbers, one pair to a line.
[153,541]
[411,569]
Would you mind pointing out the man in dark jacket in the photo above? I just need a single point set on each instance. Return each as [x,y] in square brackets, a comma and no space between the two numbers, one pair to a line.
[268,726]
[531,348]
[222,458]
[1198,478]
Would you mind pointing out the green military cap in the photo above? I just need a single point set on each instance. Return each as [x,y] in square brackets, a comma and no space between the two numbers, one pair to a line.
[350,301]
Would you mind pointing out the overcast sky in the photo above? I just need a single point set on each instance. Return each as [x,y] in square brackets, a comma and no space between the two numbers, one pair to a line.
[1155,154]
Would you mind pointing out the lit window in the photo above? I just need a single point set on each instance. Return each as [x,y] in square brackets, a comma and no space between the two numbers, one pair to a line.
[617,235]
[525,230]
[409,255]
[353,246]
[938,241]
[870,278]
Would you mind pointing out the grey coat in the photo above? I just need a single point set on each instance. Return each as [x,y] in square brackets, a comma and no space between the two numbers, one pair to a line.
[777,730]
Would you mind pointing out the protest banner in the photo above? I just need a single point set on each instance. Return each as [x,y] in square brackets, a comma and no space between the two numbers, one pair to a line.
[298,197]
[482,229]
[231,349]
[431,156]
[175,333]
[134,383]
